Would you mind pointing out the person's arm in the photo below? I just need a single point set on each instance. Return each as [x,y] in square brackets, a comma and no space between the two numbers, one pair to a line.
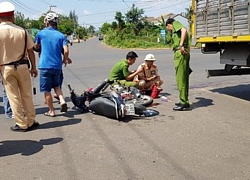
[66,59]
[183,36]
[132,75]
[31,55]
[32,59]
[37,46]
[136,78]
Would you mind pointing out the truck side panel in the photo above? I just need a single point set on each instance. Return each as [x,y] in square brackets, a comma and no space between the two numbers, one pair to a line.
[221,21]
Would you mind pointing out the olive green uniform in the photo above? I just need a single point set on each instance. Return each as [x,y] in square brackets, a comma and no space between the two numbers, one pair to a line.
[181,62]
[119,72]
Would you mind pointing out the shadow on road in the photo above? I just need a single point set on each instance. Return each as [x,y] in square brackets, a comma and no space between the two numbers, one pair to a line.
[60,123]
[239,91]
[202,102]
[25,147]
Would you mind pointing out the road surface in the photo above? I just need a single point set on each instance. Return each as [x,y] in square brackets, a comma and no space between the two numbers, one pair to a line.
[211,141]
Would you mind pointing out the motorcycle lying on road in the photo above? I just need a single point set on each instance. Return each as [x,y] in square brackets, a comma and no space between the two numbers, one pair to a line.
[113,101]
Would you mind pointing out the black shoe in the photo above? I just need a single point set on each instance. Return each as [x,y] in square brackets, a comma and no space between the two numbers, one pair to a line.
[177,104]
[190,71]
[16,128]
[181,107]
[34,125]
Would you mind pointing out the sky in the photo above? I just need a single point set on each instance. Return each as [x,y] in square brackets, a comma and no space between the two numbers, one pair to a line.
[97,12]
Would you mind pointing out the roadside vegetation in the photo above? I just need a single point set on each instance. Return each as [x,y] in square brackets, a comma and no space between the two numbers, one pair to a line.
[132,30]
[68,25]
[129,30]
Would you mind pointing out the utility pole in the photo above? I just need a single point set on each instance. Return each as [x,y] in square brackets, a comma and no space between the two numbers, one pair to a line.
[51,6]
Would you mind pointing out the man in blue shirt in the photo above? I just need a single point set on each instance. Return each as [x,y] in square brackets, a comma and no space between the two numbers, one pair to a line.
[51,41]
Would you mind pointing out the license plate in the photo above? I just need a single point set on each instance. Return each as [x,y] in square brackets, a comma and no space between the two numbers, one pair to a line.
[130,109]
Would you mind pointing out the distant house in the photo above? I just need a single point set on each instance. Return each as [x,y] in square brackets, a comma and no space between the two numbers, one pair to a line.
[151,20]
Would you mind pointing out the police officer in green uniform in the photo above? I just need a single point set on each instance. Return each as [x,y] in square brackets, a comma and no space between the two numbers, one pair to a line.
[181,48]
[120,72]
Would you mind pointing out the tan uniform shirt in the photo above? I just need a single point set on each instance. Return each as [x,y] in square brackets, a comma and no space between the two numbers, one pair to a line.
[10,36]
[16,80]
[147,73]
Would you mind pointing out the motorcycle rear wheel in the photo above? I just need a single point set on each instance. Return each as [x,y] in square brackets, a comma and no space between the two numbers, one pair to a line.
[143,100]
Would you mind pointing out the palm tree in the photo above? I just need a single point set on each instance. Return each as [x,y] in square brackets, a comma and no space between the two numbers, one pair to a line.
[188,15]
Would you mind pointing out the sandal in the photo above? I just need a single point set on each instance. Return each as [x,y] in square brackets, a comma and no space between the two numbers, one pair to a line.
[64,107]
[56,97]
[48,114]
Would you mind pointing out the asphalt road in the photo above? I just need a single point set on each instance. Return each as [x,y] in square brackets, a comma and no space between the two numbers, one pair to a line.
[211,141]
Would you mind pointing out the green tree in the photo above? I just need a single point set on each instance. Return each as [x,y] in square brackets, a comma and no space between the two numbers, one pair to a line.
[134,19]
[105,27]
[91,29]
[81,32]
[36,24]
[120,19]
[114,25]
[188,15]
[66,25]
[74,17]
[20,19]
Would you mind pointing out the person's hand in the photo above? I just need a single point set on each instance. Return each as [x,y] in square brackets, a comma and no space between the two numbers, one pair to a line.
[151,78]
[66,61]
[183,50]
[136,80]
[69,61]
[33,72]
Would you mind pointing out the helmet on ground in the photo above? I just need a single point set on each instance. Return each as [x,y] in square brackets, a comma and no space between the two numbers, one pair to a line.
[51,17]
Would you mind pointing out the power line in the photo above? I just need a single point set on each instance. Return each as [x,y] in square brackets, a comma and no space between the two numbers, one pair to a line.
[148,7]
[44,2]
[103,13]
[25,7]
[144,6]
[126,4]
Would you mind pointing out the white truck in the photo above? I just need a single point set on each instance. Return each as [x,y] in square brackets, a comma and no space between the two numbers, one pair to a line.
[223,26]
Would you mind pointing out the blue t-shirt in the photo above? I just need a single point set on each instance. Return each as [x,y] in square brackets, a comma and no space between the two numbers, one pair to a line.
[52,42]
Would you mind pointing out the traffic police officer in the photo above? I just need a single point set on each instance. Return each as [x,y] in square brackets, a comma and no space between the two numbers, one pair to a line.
[181,50]
[15,50]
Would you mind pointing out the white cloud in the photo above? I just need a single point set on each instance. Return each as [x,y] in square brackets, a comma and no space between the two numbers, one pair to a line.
[86,12]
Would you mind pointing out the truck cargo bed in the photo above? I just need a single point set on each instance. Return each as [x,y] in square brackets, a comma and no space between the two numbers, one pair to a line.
[221,21]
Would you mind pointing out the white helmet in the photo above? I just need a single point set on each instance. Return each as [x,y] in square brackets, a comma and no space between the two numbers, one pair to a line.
[51,17]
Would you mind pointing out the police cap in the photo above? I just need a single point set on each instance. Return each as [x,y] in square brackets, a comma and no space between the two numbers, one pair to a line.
[6,9]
